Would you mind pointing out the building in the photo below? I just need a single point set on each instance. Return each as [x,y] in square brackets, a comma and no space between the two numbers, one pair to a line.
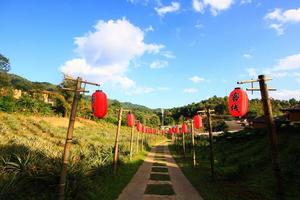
[292,114]
[258,123]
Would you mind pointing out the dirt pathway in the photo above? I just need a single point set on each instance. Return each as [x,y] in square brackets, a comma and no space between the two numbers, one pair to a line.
[159,178]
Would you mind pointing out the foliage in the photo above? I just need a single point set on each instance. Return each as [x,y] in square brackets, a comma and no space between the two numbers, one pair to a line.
[243,165]
[219,104]
[4,64]
[25,104]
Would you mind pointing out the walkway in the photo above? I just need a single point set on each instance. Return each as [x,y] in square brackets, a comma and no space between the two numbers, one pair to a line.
[159,178]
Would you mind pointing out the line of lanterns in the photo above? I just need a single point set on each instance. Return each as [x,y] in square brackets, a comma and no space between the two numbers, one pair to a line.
[237,106]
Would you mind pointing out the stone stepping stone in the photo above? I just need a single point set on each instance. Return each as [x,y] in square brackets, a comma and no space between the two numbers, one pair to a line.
[159,169]
[159,177]
[159,189]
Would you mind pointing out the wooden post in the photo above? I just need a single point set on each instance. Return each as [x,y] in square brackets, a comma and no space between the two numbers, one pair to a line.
[68,143]
[131,142]
[272,134]
[116,149]
[193,143]
[183,143]
[137,141]
[210,144]
[142,141]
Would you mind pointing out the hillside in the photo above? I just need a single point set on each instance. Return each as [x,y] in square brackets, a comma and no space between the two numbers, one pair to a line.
[31,150]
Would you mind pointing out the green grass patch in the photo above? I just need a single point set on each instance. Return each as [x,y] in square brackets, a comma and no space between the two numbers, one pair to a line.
[243,165]
[159,164]
[159,189]
[160,177]
[159,169]
[159,157]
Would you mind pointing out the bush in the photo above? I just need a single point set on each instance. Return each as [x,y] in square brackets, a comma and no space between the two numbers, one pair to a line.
[7,103]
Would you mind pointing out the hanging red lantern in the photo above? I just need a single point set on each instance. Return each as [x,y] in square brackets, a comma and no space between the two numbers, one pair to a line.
[197,121]
[99,104]
[139,127]
[130,120]
[184,128]
[173,129]
[238,102]
[176,130]
[170,131]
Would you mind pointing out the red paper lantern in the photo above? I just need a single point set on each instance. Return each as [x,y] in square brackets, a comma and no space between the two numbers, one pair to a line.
[130,120]
[170,131]
[139,127]
[238,102]
[175,129]
[99,104]
[197,121]
[184,128]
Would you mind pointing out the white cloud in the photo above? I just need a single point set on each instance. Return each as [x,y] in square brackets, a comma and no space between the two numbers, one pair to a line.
[242,2]
[218,5]
[286,94]
[291,16]
[190,90]
[278,28]
[173,7]
[286,67]
[168,54]
[196,79]
[278,18]
[149,29]
[158,64]
[199,25]
[215,6]
[198,6]
[247,56]
[288,63]
[106,52]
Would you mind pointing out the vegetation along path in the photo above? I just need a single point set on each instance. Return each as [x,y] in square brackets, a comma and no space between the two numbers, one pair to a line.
[159,178]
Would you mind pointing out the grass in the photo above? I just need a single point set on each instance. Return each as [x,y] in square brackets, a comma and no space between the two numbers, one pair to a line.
[159,157]
[159,169]
[243,166]
[159,189]
[160,177]
[31,150]
[159,164]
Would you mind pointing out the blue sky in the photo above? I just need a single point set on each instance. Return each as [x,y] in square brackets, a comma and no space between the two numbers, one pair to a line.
[157,53]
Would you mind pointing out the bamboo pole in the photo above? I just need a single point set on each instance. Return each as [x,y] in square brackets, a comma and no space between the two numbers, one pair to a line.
[193,143]
[272,134]
[68,143]
[137,141]
[210,144]
[183,143]
[116,148]
[131,142]
[142,141]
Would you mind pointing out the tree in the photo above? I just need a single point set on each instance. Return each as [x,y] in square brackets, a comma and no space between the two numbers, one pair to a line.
[4,63]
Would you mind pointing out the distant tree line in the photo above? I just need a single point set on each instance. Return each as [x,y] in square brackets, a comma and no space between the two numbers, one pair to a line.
[151,117]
